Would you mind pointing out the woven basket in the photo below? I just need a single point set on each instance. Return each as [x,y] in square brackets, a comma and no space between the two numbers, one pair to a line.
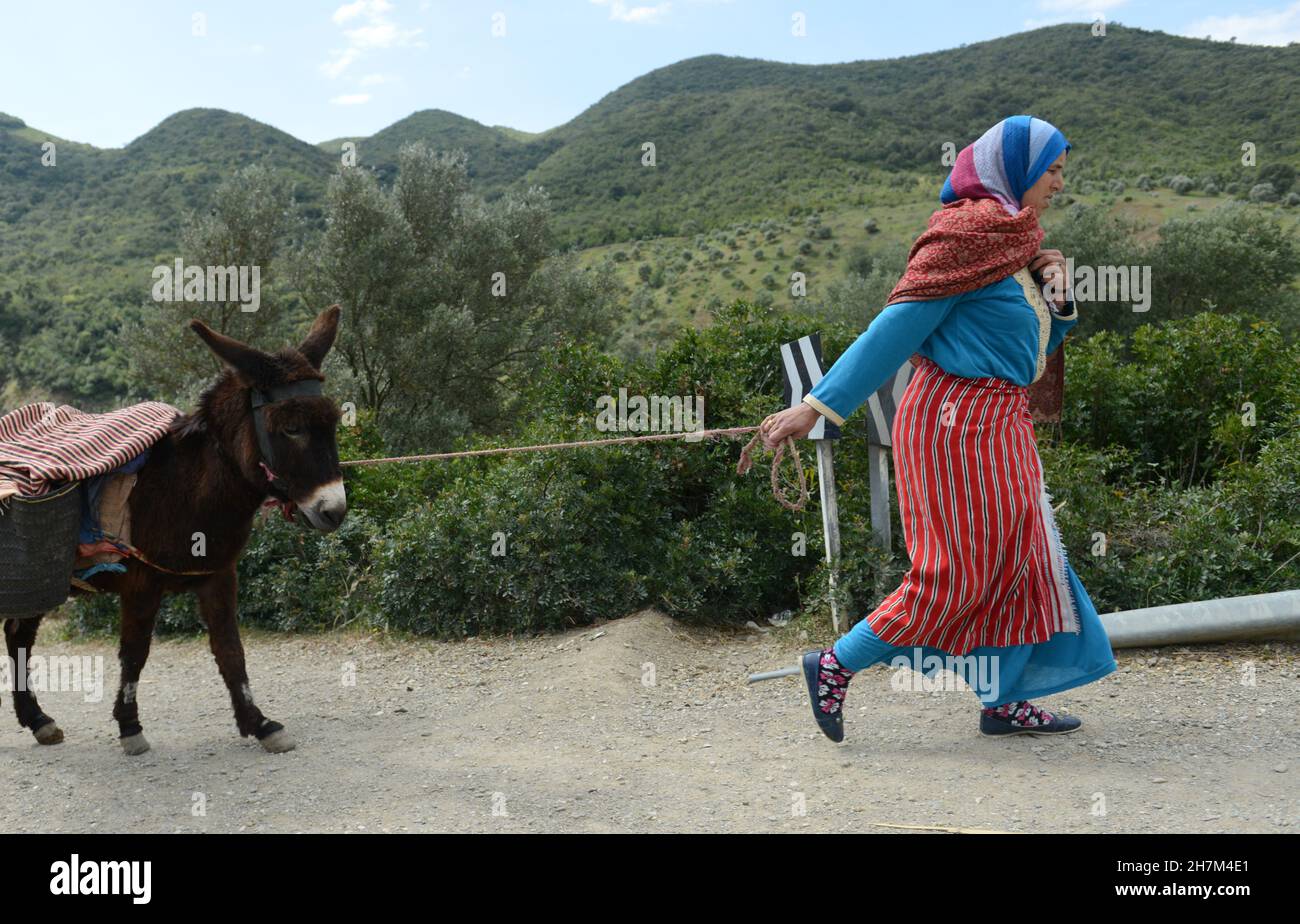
[38,546]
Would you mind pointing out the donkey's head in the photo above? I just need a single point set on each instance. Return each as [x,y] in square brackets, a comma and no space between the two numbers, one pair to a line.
[293,451]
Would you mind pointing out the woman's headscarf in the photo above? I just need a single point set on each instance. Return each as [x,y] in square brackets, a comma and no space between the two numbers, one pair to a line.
[981,234]
[1004,162]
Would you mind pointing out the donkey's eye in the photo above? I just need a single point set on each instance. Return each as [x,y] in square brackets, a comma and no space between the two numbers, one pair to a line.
[294,432]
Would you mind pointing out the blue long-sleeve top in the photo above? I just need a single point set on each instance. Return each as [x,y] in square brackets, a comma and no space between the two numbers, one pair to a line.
[993,331]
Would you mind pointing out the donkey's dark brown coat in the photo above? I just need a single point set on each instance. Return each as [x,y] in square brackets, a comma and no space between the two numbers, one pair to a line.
[201,486]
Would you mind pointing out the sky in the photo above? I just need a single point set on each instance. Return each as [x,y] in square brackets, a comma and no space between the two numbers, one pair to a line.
[106,73]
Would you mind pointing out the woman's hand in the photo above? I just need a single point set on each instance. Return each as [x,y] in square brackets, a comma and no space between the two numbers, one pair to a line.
[795,422]
[1051,264]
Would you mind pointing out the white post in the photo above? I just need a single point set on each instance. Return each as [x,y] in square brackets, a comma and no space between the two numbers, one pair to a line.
[878,464]
[830,522]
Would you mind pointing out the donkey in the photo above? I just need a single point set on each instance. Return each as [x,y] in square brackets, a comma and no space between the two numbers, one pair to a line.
[262,431]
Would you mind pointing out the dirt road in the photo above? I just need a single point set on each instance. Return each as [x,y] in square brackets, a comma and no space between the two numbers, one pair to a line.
[643,725]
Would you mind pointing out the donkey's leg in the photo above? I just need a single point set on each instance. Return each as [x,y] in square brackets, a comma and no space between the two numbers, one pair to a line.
[20,635]
[217,604]
[139,611]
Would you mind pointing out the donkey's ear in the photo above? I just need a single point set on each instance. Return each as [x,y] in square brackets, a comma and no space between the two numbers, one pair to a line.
[321,336]
[253,364]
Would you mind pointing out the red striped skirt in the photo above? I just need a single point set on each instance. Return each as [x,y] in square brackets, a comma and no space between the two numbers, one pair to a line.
[988,567]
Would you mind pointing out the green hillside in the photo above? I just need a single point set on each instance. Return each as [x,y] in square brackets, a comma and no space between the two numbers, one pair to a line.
[739,138]
[735,138]
[497,157]
[737,142]
[97,221]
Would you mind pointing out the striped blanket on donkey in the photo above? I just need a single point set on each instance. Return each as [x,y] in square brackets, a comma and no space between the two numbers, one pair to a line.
[44,446]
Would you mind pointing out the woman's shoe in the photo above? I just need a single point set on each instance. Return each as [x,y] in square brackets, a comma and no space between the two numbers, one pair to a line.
[827,683]
[1024,718]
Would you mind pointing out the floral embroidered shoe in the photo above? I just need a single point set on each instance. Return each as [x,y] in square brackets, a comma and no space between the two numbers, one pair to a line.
[1024,718]
[827,683]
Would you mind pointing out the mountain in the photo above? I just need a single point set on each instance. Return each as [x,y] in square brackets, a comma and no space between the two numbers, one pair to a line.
[739,138]
[497,157]
[95,213]
[734,139]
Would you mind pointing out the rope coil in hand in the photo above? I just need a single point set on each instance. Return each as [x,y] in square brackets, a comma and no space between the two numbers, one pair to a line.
[746,462]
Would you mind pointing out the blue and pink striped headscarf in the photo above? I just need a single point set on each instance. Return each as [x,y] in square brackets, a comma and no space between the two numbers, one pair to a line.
[1004,162]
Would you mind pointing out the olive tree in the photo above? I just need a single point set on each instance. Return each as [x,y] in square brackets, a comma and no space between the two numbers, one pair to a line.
[246,226]
[447,300]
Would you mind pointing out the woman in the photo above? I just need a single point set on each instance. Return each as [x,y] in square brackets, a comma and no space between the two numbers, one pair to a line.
[990,594]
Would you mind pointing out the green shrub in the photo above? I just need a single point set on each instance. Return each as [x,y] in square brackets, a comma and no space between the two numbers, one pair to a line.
[1171,490]
[1168,396]
[1263,192]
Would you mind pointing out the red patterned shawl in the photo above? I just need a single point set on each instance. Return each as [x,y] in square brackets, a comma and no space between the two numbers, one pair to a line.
[970,243]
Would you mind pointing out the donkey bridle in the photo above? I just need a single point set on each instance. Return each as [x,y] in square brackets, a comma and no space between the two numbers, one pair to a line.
[262,397]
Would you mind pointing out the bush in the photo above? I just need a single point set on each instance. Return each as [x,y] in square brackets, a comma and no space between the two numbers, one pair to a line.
[1171,392]
[1263,192]
[1281,176]
[534,543]
[860,262]
[1162,472]
[1235,259]
[600,532]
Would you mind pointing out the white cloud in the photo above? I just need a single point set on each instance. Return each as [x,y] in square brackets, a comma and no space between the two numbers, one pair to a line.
[351,99]
[373,30]
[381,35]
[350,11]
[619,11]
[340,60]
[1268,27]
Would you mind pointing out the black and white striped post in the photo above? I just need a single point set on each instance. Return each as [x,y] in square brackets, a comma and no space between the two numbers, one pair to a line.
[801,362]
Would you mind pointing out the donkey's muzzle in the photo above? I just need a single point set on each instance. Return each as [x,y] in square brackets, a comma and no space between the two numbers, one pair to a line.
[326,507]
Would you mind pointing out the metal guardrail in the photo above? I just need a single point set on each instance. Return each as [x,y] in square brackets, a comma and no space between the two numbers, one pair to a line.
[1256,617]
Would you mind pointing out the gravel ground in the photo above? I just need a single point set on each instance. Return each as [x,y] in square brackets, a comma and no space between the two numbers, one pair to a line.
[643,725]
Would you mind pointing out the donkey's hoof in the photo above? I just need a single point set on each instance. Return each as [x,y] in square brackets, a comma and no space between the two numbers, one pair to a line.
[49,733]
[135,744]
[275,739]
[278,742]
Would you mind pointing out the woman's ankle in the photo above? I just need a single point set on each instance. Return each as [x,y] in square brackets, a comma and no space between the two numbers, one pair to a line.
[1020,712]
[832,682]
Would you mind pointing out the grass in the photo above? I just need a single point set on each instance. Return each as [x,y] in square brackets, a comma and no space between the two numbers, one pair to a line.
[690,285]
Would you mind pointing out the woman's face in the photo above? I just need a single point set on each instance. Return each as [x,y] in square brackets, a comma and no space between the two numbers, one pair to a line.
[1049,184]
